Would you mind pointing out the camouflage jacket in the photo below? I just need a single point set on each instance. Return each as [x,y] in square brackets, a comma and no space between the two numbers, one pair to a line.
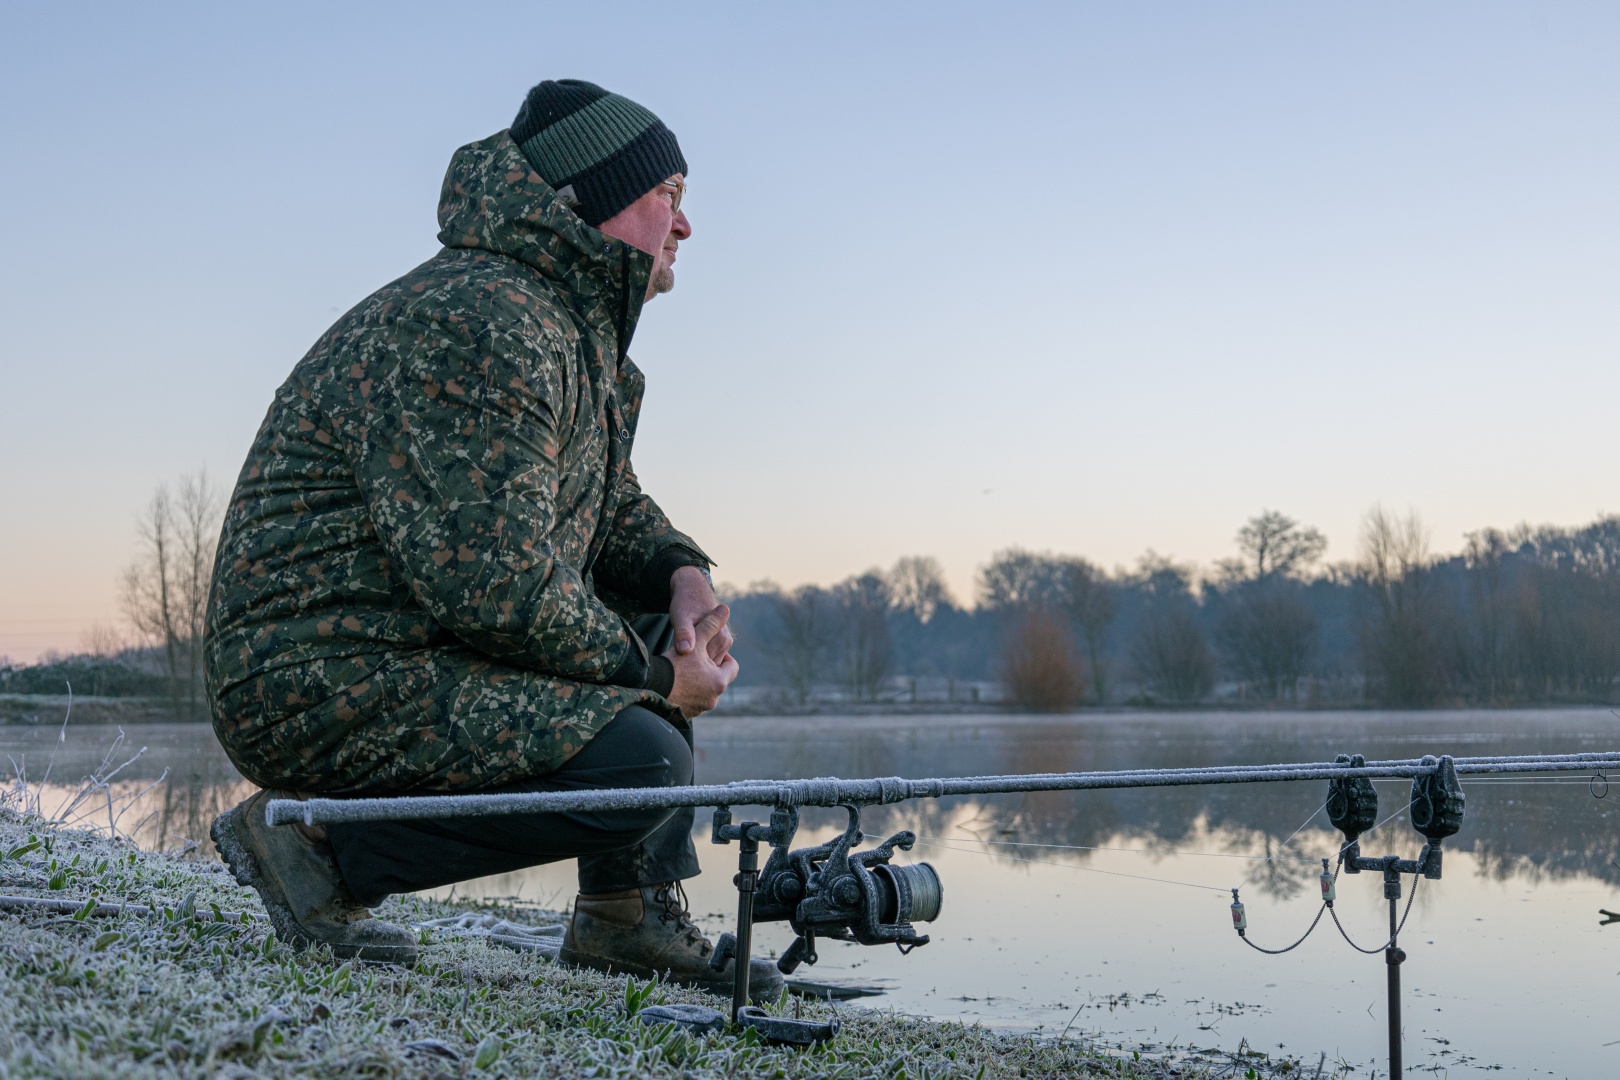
[449,468]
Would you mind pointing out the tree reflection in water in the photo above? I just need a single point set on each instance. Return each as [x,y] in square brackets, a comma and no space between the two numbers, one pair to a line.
[1534,830]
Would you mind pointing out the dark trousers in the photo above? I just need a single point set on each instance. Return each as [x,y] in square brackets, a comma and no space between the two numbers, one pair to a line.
[617,849]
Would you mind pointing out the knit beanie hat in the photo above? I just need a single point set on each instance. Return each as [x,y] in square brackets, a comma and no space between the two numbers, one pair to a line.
[601,152]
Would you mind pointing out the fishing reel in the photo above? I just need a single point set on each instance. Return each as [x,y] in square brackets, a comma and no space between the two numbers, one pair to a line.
[833,891]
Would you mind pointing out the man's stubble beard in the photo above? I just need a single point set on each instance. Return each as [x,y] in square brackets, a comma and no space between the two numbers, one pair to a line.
[661,280]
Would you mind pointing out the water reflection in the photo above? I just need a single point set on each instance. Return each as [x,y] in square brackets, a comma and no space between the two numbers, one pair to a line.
[1536,829]
[161,785]
[1532,829]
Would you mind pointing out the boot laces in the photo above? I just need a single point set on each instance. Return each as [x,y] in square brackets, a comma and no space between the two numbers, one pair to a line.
[671,896]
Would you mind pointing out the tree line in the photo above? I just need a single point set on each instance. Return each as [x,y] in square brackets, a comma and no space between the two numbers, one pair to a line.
[1519,616]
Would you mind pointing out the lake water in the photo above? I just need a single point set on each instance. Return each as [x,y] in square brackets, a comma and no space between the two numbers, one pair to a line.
[1105,913]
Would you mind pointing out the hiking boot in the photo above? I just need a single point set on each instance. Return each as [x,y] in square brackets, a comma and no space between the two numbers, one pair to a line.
[648,933]
[296,875]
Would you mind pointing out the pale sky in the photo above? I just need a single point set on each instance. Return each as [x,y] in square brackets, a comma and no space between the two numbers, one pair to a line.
[1087,277]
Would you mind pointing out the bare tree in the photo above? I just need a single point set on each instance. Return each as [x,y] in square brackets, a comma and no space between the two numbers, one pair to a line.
[917,584]
[1400,631]
[151,595]
[1264,625]
[1267,631]
[799,643]
[865,650]
[102,641]
[165,595]
[1485,557]
[1170,653]
[198,523]
[1039,665]
[1019,579]
[1566,621]
[1275,543]
[1091,605]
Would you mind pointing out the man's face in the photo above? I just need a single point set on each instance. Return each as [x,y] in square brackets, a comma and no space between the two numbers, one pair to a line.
[652,224]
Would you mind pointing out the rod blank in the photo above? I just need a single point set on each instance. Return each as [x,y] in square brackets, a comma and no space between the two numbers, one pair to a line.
[832,791]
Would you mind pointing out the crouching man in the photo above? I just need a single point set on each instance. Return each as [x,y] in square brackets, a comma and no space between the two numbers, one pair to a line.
[438,572]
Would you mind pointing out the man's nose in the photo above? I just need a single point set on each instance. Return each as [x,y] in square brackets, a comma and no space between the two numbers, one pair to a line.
[681,227]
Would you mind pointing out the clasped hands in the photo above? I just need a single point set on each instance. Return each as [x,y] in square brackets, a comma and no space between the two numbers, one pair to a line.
[704,666]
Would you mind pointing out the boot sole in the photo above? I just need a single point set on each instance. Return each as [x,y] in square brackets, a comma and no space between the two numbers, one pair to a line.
[234,849]
[721,986]
[229,835]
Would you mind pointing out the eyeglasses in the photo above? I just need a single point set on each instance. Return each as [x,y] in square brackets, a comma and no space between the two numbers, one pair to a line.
[677,196]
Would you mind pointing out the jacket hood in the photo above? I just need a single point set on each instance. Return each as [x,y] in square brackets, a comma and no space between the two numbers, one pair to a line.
[493,200]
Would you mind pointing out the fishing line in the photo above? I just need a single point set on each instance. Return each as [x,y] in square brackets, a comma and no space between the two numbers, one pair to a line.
[1370,831]
[1326,906]
[1285,843]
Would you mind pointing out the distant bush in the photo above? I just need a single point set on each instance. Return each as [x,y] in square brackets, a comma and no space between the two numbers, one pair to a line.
[90,676]
[1041,667]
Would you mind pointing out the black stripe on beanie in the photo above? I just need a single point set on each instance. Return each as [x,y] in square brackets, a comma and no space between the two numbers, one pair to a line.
[549,102]
[609,150]
[626,176]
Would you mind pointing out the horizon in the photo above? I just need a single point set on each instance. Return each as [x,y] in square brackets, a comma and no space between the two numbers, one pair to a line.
[1125,276]
[104,639]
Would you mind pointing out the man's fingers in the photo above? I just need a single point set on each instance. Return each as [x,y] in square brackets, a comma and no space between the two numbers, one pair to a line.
[685,639]
[712,623]
[686,633]
[701,679]
[721,644]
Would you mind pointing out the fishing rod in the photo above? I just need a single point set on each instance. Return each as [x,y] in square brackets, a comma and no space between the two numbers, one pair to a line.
[832,791]
[834,892]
